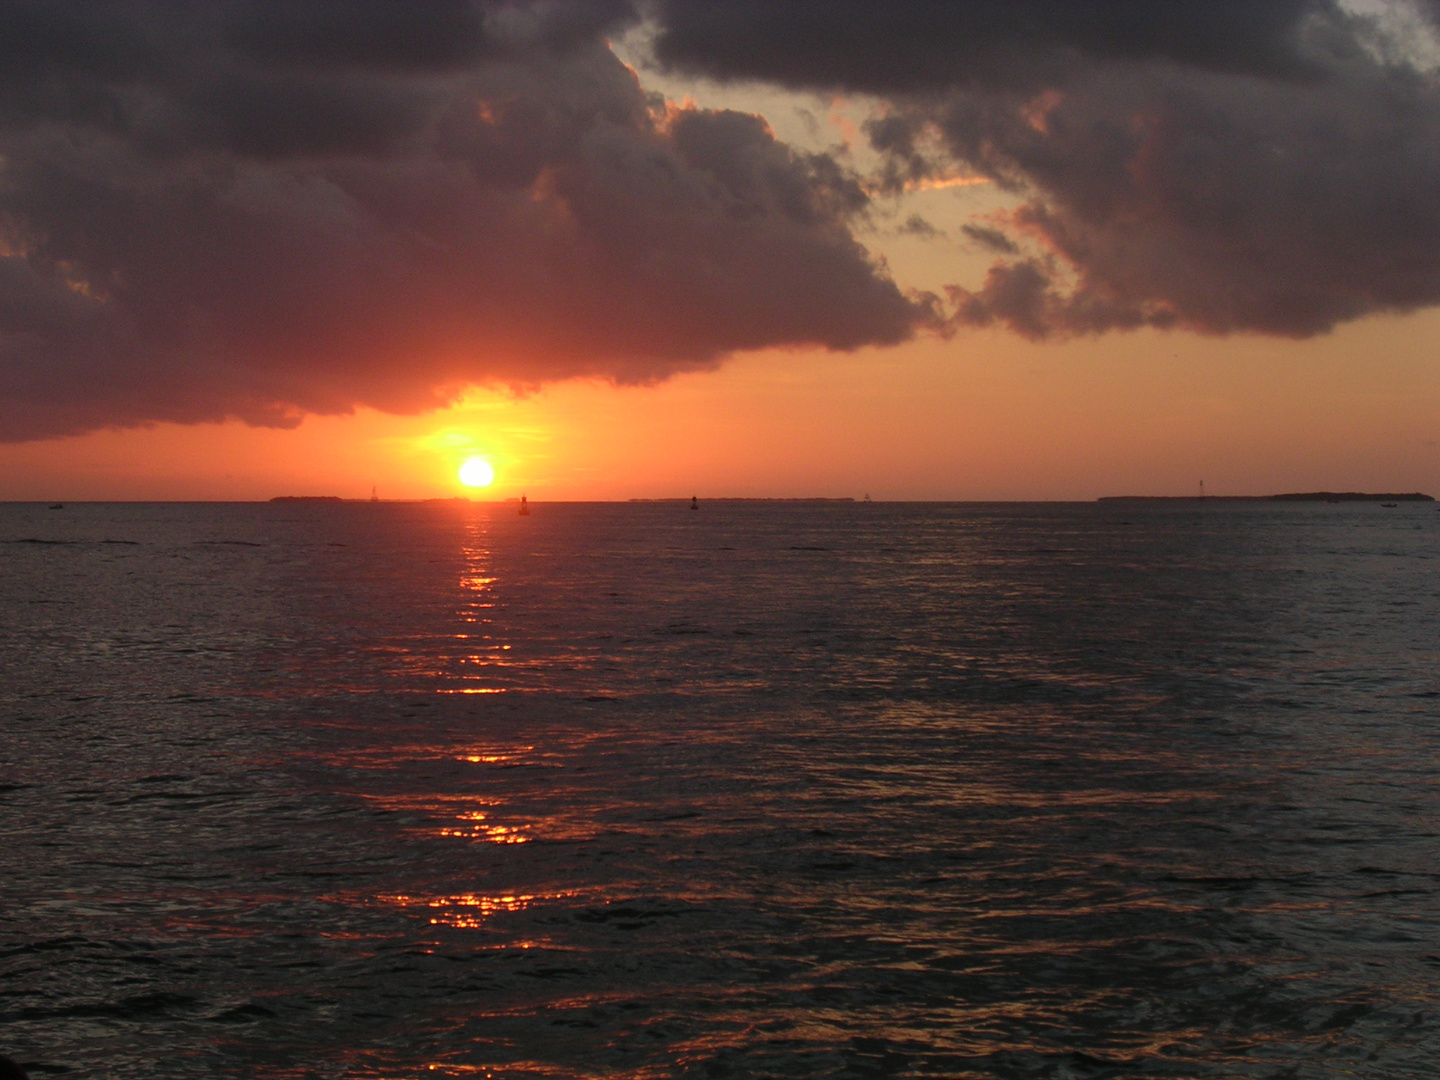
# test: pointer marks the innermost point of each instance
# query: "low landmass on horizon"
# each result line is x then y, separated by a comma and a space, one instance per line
1294, 496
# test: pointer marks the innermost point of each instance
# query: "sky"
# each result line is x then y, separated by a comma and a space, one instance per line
999, 249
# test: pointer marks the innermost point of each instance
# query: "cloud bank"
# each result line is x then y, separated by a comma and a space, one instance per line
266, 209
1235, 165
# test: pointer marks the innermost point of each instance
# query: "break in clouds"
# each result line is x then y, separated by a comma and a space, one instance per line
265, 209
1270, 166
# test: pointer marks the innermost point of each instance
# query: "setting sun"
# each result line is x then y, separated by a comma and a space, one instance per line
476, 472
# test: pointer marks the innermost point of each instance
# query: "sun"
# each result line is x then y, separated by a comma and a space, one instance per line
476, 472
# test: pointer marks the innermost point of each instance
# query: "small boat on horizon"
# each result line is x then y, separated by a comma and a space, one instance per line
57, 506
524, 507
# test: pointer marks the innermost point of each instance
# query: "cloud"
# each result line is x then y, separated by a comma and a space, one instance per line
939, 45
915, 225
263, 210
1259, 166
990, 238
268, 208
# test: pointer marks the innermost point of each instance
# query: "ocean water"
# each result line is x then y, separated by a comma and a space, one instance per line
759, 790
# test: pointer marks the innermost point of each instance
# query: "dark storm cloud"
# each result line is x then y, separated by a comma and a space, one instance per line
267, 209
1172, 199
1228, 165
922, 45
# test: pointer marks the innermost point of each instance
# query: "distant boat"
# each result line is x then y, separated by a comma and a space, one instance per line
694, 502
57, 506
374, 495
1390, 505
524, 507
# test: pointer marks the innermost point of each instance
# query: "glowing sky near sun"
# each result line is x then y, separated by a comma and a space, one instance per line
999, 419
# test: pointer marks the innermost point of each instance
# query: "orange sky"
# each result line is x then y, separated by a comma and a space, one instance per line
983, 415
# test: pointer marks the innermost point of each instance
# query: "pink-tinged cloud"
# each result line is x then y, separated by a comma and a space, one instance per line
263, 210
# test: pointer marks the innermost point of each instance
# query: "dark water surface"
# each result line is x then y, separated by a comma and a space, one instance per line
787, 790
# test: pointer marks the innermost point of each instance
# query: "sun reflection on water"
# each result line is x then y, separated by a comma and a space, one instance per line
476, 824
477, 829
470, 911
478, 602
493, 758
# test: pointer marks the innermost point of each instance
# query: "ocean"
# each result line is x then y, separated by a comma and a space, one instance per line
764, 789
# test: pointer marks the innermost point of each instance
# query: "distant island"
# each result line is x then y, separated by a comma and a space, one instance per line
337, 498
1352, 496
1294, 496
